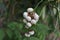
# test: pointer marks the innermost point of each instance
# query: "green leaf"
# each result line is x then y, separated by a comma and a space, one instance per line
1, 34
38, 10
41, 30
9, 33
20, 26
15, 25
18, 35
42, 27
59, 15
54, 10
31, 38
12, 25
43, 11
42, 36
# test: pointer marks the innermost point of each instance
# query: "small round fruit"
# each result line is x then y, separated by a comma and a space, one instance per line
24, 20
36, 16
30, 10
33, 21
28, 18
25, 14
27, 34
31, 32
29, 24
26, 27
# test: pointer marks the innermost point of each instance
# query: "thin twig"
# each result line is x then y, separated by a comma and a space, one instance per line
38, 4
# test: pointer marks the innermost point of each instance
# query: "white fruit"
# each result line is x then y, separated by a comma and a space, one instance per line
29, 24
31, 32
36, 16
25, 14
28, 18
27, 34
26, 27
30, 10
33, 21
24, 20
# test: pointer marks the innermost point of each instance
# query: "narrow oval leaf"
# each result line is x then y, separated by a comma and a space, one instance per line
1, 34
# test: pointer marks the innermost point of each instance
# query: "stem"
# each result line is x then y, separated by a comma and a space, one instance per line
38, 4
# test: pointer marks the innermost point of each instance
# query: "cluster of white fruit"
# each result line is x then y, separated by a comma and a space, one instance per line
30, 18
29, 33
